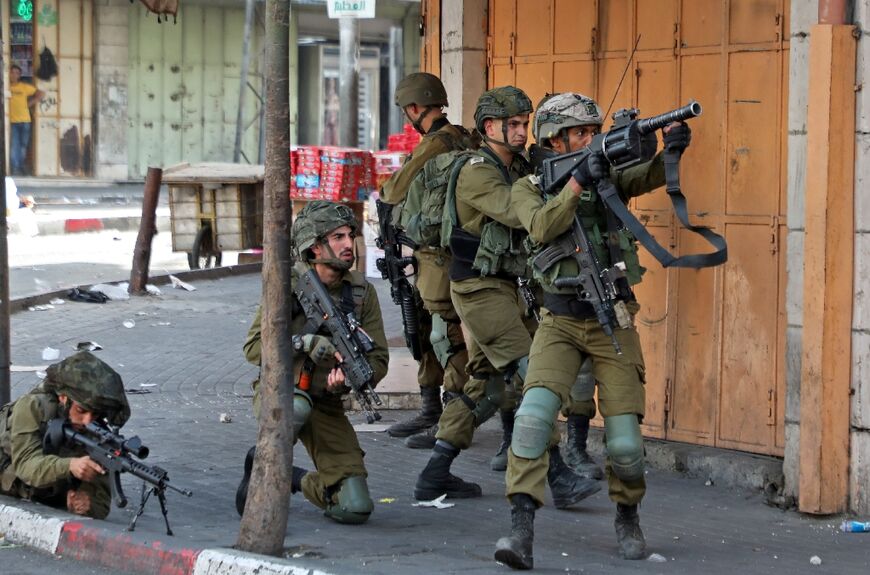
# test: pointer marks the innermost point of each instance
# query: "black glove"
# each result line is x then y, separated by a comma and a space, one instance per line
677, 139
590, 170
649, 144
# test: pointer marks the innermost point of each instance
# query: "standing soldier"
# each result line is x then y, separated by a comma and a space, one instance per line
323, 236
422, 98
81, 389
487, 260
570, 332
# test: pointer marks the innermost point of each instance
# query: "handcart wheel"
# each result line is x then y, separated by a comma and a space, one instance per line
204, 254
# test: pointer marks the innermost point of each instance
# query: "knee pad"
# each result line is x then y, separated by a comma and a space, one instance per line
353, 504
301, 411
488, 405
440, 340
624, 446
533, 424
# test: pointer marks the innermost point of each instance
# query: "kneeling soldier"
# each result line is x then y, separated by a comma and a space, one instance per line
323, 235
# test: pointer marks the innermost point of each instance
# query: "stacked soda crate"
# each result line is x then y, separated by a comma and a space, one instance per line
405, 141
331, 173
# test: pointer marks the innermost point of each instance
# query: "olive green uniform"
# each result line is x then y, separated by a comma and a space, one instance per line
328, 436
29, 474
563, 342
490, 307
432, 282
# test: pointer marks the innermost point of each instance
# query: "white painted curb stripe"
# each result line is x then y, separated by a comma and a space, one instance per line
26, 528
230, 562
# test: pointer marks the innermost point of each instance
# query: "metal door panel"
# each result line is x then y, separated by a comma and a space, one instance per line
753, 176
609, 73
749, 339
701, 166
536, 80
652, 320
753, 21
503, 28
502, 76
574, 22
656, 93
535, 15
613, 16
701, 23
694, 395
656, 20
574, 76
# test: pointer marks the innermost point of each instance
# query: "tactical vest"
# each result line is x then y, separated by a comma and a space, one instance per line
594, 219
500, 251
49, 405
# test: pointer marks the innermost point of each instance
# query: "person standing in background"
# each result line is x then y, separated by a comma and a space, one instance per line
23, 97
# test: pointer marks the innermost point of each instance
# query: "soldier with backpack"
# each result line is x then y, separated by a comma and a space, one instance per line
422, 98
485, 239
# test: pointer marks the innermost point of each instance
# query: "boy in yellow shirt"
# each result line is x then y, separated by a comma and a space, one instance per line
24, 96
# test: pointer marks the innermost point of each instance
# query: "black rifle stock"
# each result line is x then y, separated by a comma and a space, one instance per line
350, 340
621, 145
593, 284
392, 267
114, 453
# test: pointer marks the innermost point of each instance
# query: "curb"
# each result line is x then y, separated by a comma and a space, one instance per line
64, 535
22, 303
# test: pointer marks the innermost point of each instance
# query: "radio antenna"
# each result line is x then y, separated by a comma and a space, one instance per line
618, 86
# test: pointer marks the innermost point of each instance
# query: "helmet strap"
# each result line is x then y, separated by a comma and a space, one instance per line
418, 123
332, 260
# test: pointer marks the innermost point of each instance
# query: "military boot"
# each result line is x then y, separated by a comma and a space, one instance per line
632, 545
566, 486
430, 411
515, 551
242, 491
436, 479
576, 455
499, 461
425, 440
296, 479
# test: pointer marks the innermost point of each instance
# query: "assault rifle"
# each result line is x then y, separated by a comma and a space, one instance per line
392, 267
115, 454
532, 306
350, 340
594, 284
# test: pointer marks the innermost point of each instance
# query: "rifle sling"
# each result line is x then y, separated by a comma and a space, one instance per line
611, 198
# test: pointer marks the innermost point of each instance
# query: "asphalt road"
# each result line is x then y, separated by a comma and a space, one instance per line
17, 560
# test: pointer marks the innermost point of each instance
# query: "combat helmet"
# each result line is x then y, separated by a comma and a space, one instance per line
559, 111
313, 223
91, 383
502, 102
423, 89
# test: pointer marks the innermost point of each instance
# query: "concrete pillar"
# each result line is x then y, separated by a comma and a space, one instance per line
111, 65
348, 81
828, 277
803, 16
859, 482
294, 76
463, 56
397, 69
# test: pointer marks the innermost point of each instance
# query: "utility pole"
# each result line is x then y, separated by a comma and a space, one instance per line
348, 81
264, 523
5, 331
243, 80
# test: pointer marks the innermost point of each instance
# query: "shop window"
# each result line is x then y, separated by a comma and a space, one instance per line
21, 36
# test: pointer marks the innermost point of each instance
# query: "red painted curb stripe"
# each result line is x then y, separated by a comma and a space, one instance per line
72, 226
122, 552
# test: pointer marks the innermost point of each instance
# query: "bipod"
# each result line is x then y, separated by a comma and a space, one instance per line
161, 497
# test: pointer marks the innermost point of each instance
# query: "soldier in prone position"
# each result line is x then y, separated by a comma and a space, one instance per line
81, 389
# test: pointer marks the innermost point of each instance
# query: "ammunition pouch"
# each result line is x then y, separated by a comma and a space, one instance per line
500, 251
